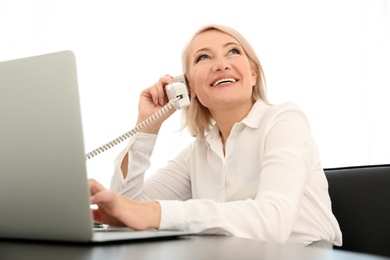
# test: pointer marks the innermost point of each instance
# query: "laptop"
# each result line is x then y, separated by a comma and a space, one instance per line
44, 193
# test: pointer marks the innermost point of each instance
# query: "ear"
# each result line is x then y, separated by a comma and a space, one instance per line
190, 90
254, 76
192, 93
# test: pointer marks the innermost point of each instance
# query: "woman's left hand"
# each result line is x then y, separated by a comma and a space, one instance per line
117, 210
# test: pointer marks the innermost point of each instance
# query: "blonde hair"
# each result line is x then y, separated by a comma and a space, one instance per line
197, 118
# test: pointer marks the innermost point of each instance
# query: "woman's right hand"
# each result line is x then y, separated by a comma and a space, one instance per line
116, 210
151, 101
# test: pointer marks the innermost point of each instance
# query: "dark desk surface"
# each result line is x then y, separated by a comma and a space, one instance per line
191, 247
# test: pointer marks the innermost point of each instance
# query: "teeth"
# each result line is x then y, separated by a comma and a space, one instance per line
223, 81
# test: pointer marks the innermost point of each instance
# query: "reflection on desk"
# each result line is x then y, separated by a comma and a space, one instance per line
189, 247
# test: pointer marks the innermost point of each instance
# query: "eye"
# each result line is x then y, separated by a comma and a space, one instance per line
234, 51
202, 57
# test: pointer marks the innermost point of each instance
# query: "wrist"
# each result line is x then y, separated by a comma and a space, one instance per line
151, 128
155, 215
154, 122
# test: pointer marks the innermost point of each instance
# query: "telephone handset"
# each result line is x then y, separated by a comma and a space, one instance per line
178, 98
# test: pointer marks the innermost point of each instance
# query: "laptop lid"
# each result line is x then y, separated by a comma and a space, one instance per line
42, 165
44, 192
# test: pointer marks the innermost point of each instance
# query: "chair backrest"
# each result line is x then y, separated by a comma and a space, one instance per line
361, 203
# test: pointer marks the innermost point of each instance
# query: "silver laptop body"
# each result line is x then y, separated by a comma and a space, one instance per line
44, 190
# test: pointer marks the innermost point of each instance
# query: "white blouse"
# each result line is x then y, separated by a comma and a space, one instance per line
269, 185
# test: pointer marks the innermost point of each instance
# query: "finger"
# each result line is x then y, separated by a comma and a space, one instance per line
105, 218
150, 94
103, 198
164, 80
157, 93
96, 215
95, 186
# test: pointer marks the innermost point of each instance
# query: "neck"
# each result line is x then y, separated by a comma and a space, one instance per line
225, 118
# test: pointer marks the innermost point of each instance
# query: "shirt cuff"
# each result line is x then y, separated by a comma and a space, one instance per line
172, 215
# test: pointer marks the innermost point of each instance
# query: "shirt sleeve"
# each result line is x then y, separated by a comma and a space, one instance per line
261, 218
171, 182
139, 150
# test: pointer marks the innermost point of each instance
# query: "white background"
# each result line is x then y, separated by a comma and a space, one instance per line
332, 57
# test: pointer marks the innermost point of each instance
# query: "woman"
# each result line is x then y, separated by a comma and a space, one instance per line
253, 170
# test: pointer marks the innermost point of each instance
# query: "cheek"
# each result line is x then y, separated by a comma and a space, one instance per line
195, 80
196, 87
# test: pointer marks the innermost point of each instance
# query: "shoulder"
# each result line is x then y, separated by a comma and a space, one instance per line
282, 107
262, 113
285, 112
287, 108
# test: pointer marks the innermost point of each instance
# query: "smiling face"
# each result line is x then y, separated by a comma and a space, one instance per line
219, 72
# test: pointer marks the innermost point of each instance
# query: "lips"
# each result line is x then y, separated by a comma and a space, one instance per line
224, 80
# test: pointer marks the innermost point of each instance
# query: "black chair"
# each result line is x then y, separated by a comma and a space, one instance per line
361, 203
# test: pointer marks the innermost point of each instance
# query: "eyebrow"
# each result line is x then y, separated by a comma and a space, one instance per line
225, 45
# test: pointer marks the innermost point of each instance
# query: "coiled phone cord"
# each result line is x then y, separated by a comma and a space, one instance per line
133, 131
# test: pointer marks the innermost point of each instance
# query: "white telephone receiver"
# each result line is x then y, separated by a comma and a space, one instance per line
178, 97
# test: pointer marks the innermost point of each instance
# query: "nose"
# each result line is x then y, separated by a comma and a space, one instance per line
221, 64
